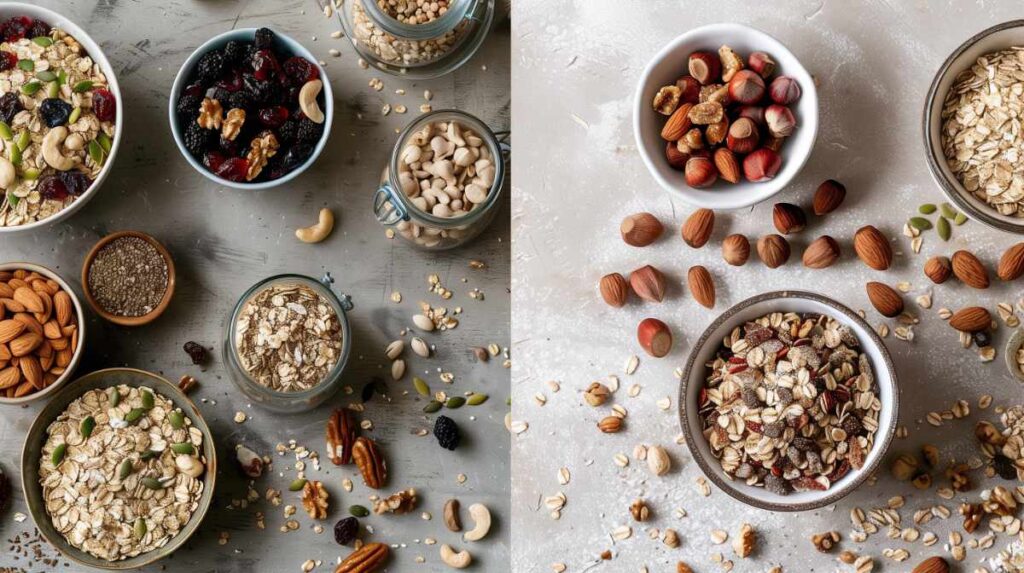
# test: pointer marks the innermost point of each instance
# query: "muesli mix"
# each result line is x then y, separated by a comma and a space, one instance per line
121, 471
405, 51
57, 119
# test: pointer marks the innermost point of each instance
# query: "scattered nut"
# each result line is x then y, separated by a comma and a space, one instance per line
319, 231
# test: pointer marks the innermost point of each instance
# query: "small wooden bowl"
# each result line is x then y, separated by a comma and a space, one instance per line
129, 320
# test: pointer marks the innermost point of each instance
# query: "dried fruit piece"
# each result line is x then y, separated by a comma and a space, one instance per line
346, 531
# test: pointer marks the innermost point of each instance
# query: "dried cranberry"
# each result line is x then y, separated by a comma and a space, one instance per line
300, 70
264, 38
231, 82
10, 105
75, 182
16, 28
230, 147
51, 187
212, 160
196, 352
104, 105
264, 65
7, 60
39, 28
195, 89
273, 116
233, 169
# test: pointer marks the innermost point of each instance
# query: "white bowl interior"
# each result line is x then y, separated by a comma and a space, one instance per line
9, 9
670, 64
998, 40
887, 393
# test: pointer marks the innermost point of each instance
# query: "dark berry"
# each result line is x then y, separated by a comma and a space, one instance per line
264, 65
54, 111
230, 147
7, 60
234, 51
197, 139
16, 28
195, 89
220, 94
1004, 467
346, 531
104, 105
288, 131
5, 491
233, 169
10, 105
982, 339
39, 28
231, 82
804, 444
210, 67
51, 187
273, 116
259, 91
300, 70
212, 160
447, 432
188, 107
264, 39
240, 100
296, 156
309, 131
852, 425
75, 182
195, 351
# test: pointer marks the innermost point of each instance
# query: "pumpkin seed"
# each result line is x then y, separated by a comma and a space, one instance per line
31, 88
477, 399
84, 85
152, 483
13, 199
926, 209
455, 402
115, 397
31, 174
75, 114
125, 470
421, 386
148, 455
942, 228
177, 419
52, 90
62, 77
432, 406
140, 527
58, 454
183, 448
87, 426
948, 211
358, 511
27, 65
920, 223
24, 139
105, 142
5, 131
15, 154
960, 219
147, 399
134, 415
95, 152
297, 485
43, 41
47, 76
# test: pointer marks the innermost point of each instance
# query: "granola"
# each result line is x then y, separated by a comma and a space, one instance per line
790, 403
121, 472
402, 51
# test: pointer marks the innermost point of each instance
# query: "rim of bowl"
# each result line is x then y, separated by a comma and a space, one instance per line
808, 89
96, 53
129, 320
209, 475
855, 477
951, 187
1014, 343
79, 313
189, 64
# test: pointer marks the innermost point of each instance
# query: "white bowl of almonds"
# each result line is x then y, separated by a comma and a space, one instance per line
790, 401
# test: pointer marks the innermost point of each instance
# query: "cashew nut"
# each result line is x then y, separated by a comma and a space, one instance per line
51, 149
459, 560
307, 100
318, 232
75, 142
7, 173
481, 522
189, 465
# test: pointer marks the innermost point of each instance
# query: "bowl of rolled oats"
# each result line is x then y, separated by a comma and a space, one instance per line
973, 138
118, 469
60, 117
790, 401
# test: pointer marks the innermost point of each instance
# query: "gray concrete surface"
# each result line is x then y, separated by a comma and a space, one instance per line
223, 241
574, 74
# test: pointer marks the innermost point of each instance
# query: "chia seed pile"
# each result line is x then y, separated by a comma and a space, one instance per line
128, 277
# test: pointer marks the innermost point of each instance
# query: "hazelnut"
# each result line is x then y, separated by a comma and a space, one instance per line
654, 337
736, 250
667, 100
761, 63
753, 112
596, 394
828, 197
780, 120
821, 253
640, 229
614, 289
938, 269
761, 165
676, 158
704, 67
746, 87
689, 89
773, 250
700, 172
789, 218
648, 283
784, 90
743, 136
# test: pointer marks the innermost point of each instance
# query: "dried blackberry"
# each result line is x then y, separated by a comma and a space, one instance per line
220, 94
288, 132
346, 531
260, 91
1004, 467
804, 444
39, 28
852, 425
234, 52
296, 156
982, 339
309, 131
264, 39
777, 485
54, 111
447, 432
240, 100
188, 107
197, 139
196, 352
10, 105
210, 67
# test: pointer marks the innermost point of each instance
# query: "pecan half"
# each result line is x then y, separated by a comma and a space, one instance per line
401, 502
341, 434
370, 462
314, 499
366, 559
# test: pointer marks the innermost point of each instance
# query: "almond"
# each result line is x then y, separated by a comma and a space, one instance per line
872, 248
728, 166
648, 283
640, 229
701, 286
678, 123
736, 250
9, 377
828, 197
971, 319
654, 336
698, 226
1011, 264
51, 330
63, 308
969, 270
614, 289
773, 250
938, 269
30, 322
788, 218
31, 370
932, 565
821, 253
10, 329
25, 344
885, 299
29, 299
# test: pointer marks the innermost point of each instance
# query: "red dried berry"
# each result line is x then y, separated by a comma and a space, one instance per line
233, 169
273, 116
232, 82
212, 160
104, 105
7, 60
16, 28
51, 187
264, 65
300, 70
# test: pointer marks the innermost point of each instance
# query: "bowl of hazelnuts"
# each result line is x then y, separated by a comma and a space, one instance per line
725, 116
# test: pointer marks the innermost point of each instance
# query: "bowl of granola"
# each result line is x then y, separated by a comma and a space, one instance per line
790, 401
118, 469
60, 108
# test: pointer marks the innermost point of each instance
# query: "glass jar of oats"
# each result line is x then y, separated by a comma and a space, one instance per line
442, 185
417, 38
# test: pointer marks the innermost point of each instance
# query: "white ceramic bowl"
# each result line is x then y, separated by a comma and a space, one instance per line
69, 372
704, 351
670, 64
11, 9
219, 41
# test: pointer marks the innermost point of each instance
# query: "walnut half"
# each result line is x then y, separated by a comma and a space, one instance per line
400, 502
210, 114
263, 147
314, 499
233, 124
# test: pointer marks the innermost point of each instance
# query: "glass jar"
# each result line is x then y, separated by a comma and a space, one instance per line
395, 201
417, 51
289, 402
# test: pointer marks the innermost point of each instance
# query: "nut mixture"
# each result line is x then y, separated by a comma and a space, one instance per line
403, 51
288, 337
57, 117
790, 403
414, 11
121, 472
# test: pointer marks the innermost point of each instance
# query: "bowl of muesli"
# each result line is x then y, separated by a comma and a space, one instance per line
118, 469
60, 117
790, 401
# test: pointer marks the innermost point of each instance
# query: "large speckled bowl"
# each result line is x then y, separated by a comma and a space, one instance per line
704, 350
103, 379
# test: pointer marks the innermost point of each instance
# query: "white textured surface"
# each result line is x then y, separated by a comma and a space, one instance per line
574, 73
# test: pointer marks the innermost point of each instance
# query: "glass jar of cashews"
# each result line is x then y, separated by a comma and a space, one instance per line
442, 184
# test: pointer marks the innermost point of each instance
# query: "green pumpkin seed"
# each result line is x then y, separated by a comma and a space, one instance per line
140, 528
13, 199
58, 454
24, 139
297, 485
960, 219
134, 415
152, 483
477, 399
920, 223
358, 511
147, 399
87, 426
115, 397
148, 455
455, 402
15, 154
52, 90
5, 132
105, 142
31, 88
948, 211
75, 114
421, 386
62, 77
96, 154
125, 470
27, 65
183, 448
943, 229
31, 174
926, 209
177, 419
82, 86
432, 406
43, 41
47, 76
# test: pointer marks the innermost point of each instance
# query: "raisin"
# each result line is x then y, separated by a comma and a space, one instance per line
52, 188
233, 169
104, 105
346, 531
54, 111
1004, 467
75, 182
264, 38
210, 67
195, 351
7, 60
982, 339
10, 105
300, 70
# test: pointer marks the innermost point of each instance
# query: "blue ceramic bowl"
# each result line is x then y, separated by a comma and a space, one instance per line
217, 42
